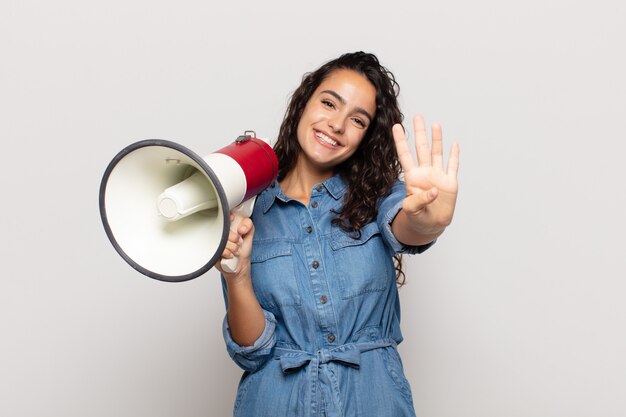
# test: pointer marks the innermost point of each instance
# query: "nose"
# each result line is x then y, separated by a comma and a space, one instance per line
337, 123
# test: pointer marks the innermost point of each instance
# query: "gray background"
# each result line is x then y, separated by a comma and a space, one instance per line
517, 311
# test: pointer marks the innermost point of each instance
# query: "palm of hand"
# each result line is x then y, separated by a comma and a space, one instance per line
431, 191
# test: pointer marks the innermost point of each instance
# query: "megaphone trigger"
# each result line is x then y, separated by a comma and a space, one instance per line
242, 211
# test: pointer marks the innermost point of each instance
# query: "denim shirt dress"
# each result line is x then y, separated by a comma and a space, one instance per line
332, 314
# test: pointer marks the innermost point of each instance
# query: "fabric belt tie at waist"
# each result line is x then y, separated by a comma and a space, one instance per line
348, 354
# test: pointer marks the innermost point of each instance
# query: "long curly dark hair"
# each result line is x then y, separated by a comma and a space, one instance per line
375, 160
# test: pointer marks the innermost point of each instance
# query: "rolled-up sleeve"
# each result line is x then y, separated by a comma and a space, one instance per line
387, 211
251, 358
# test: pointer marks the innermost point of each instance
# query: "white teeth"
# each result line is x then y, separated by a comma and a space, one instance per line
326, 138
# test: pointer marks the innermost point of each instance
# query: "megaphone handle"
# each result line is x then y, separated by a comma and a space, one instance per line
241, 212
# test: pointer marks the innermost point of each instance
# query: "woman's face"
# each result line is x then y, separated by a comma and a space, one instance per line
335, 119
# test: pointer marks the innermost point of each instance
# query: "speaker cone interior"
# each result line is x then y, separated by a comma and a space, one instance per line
155, 246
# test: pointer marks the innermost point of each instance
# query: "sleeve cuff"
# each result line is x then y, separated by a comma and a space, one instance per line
252, 357
393, 243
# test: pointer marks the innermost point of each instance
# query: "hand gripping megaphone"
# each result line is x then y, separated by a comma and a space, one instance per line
166, 210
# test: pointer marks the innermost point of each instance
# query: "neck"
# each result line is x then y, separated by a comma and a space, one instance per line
299, 182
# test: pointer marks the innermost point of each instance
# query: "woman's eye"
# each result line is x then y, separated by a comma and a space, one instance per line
328, 104
359, 122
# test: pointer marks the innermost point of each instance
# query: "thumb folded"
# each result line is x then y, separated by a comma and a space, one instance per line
417, 202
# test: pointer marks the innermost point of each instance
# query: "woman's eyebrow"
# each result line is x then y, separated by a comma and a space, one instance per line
343, 101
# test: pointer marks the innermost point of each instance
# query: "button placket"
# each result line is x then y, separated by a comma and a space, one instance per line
319, 285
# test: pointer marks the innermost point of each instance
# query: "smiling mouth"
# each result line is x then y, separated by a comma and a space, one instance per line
326, 139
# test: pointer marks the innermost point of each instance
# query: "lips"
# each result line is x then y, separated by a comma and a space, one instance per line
325, 139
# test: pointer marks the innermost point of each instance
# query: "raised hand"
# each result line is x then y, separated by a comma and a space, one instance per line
431, 191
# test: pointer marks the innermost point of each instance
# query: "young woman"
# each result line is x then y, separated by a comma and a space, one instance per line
312, 309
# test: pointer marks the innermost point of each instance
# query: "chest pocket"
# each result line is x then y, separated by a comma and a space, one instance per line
273, 276
363, 265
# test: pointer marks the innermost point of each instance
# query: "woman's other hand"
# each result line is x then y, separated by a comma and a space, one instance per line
239, 245
431, 191
246, 320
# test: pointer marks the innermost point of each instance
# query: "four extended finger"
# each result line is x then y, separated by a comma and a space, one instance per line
437, 147
421, 141
453, 161
402, 148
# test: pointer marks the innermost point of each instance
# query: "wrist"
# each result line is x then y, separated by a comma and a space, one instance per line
238, 281
411, 230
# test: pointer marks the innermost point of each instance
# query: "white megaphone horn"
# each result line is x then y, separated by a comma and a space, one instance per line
166, 210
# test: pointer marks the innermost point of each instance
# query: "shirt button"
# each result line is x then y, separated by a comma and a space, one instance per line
323, 299
318, 188
331, 338
315, 264
309, 229
314, 204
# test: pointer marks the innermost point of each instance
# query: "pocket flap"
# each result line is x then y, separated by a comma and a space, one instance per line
262, 251
341, 239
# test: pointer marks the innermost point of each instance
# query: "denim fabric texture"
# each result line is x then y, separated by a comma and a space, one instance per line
331, 308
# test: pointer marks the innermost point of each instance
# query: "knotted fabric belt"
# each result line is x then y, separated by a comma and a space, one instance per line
348, 354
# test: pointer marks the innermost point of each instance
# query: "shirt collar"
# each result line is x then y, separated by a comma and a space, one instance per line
335, 186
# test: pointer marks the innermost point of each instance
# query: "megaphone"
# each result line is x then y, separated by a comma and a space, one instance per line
166, 210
